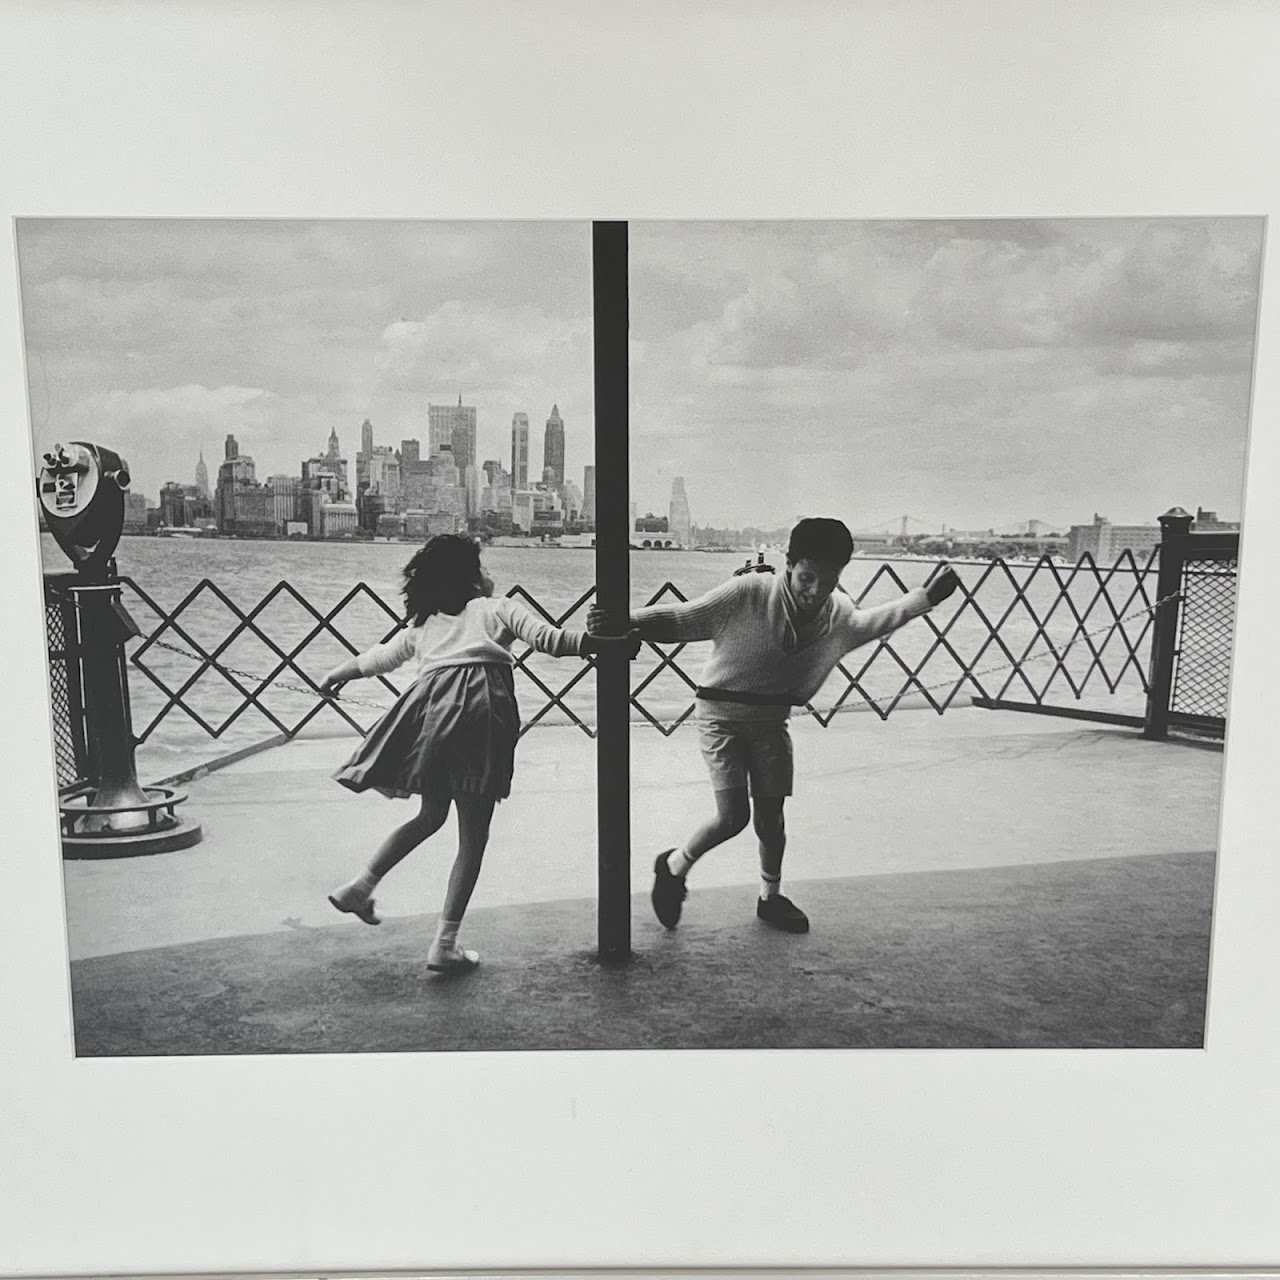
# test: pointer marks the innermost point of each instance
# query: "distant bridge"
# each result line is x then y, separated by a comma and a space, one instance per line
906, 526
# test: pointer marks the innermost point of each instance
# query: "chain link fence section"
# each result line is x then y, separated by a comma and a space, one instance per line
66, 706
1202, 667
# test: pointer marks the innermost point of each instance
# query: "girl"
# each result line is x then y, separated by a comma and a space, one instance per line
451, 738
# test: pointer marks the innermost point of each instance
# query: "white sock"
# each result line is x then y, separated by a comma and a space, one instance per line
446, 935
770, 886
679, 862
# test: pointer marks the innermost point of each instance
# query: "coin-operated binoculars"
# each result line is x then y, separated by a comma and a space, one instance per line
81, 489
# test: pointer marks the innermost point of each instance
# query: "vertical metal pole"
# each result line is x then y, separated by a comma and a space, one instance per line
613, 586
1175, 529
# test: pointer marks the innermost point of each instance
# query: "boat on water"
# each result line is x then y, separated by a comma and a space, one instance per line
180, 531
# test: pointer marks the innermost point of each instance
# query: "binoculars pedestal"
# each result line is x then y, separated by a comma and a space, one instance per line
116, 817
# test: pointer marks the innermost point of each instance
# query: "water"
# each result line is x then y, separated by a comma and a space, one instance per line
168, 569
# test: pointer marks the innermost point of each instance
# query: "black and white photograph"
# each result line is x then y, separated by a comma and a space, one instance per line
485, 635
639, 639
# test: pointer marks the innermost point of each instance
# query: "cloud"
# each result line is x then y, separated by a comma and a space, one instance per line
161, 430
465, 345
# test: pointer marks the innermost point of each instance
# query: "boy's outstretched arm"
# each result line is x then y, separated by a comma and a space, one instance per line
870, 624
699, 619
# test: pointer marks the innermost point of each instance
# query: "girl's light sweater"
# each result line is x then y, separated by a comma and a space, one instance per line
483, 631
756, 645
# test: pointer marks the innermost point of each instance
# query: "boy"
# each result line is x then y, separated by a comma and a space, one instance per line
775, 641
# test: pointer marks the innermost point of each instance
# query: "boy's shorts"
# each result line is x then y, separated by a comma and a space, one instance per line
739, 752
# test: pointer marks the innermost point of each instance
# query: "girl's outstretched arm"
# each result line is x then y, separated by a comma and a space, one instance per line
379, 660
560, 643
344, 671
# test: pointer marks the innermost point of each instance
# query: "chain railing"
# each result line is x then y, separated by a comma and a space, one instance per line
1047, 634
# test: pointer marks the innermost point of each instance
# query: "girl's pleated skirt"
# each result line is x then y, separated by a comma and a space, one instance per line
453, 733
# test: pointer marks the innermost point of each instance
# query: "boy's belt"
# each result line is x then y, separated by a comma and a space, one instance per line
748, 699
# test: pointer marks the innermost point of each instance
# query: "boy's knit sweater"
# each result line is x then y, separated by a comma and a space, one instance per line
756, 645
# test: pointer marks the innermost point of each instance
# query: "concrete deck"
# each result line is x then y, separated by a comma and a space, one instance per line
986, 877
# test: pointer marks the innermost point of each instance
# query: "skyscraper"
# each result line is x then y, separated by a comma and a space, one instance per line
336, 462
444, 422
202, 477
678, 512
553, 448
241, 503
519, 451
410, 453
589, 494
463, 444
366, 438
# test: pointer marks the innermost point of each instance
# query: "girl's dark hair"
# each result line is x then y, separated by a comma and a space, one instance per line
442, 576
821, 539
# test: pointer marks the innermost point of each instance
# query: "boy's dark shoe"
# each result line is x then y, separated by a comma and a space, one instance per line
669, 892
783, 914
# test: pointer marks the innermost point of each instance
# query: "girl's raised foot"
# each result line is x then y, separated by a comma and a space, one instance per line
351, 901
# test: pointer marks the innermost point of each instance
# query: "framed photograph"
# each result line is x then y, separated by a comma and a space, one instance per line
641, 639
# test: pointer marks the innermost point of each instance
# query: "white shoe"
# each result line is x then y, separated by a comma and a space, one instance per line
454, 960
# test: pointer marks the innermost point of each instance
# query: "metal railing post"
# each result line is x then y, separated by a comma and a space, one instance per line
613, 586
1175, 529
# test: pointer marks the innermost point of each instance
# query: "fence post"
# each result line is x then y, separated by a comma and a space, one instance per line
1175, 529
613, 586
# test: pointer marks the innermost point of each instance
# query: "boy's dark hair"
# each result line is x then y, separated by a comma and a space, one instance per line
821, 539
442, 576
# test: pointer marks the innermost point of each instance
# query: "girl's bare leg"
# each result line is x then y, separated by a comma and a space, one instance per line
356, 896
409, 835
474, 816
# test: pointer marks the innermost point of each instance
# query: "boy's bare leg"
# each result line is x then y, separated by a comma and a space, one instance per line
733, 812
771, 831
773, 907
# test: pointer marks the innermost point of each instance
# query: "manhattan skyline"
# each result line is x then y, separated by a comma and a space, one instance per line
975, 373
167, 335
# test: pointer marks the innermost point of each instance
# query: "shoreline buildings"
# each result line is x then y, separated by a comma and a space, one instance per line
396, 492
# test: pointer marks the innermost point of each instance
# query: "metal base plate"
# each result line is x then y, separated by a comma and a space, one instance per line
91, 845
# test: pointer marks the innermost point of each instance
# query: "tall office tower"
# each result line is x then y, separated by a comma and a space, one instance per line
519, 451
553, 448
337, 463
202, 477
443, 421
492, 470
410, 453
463, 444
366, 437
589, 494
232, 448
678, 512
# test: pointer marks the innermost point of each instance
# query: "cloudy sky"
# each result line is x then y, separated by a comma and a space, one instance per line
971, 373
